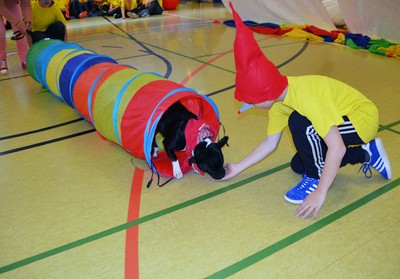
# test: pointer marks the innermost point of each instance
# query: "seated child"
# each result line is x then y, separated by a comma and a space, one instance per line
47, 21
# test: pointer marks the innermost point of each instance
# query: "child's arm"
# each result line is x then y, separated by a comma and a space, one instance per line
260, 152
123, 8
334, 156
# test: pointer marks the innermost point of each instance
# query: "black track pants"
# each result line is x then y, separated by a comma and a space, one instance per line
311, 148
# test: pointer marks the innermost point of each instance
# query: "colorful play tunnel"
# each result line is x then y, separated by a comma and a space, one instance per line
122, 103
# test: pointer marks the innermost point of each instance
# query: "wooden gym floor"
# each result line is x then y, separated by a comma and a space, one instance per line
76, 206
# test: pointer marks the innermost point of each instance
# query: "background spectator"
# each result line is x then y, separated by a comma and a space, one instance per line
19, 15
47, 21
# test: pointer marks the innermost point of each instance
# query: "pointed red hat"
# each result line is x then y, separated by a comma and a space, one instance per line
257, 78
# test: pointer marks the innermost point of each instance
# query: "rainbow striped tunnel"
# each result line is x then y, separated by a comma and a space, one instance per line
122, 103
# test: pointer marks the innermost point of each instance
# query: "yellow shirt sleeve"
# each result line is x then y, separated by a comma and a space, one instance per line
115, 3
278, 116
62, 3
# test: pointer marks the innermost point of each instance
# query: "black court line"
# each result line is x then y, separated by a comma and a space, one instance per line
172, 28
72, 245
138, 221
299, 235
294, 56
132, 57
16, 77
112, 46
40, 130
148, 50
305, 45
221, 90
46, 142
279, 245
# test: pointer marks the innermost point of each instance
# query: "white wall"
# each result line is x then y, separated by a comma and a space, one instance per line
375, 18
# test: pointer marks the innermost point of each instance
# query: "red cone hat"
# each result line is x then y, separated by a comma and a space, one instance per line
257, 78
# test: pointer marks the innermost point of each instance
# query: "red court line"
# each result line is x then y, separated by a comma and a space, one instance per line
132, 233
190, 75
205, 64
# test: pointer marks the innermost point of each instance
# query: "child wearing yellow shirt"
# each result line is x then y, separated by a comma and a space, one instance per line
146, 8
64, 7
125, 7
78, 8
113, 7
47, 21
332, 124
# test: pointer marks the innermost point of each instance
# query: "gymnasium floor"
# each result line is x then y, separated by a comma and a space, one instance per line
76, 206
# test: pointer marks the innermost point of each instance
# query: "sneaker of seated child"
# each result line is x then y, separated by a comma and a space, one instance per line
131, 15
3, 66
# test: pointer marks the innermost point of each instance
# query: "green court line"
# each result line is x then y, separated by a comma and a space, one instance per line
138, 221
389, 126
278, 246
174, 208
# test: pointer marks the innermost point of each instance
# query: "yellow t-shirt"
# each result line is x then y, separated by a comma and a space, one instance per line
129, 5
324, 101
114, 3
43, 17
62, 4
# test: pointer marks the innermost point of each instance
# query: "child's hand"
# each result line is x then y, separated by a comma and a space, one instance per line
230, 171
312, 203
21, 26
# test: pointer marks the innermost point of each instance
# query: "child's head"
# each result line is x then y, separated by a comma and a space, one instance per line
45, 3
257, 79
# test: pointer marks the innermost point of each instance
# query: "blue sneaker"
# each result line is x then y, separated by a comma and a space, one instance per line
301, 191
144, 13
378, 159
